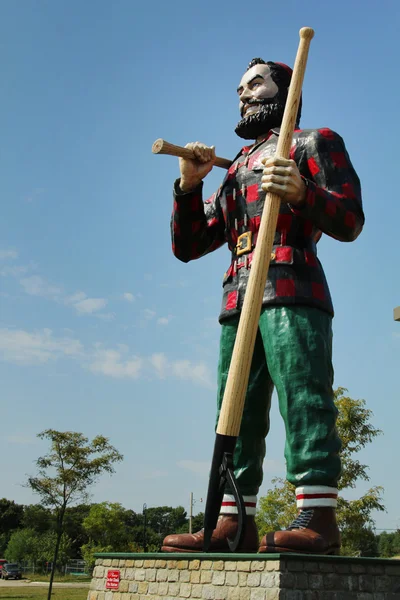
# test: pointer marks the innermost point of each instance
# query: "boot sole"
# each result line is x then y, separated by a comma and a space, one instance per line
334, 551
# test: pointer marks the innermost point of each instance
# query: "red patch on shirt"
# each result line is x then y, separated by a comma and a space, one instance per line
230, 203
348, 190
312, 165
284, 222
330, 208
252, 193
283, 254
349, 219
285, 287
318, 291
327, 133
231, 171
339, 159
231, 301
254, 223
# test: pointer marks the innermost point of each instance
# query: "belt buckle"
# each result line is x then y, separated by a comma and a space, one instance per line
244, 243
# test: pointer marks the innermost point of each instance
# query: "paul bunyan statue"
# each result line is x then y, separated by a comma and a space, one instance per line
320, 193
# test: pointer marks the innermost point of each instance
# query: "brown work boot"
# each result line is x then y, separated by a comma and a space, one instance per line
314, 531
226, 528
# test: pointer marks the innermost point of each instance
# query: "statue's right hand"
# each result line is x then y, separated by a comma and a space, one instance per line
194, 171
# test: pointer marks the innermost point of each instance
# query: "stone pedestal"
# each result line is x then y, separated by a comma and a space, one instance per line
243, 577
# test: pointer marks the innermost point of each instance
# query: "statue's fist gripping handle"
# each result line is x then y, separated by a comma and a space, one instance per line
161, 146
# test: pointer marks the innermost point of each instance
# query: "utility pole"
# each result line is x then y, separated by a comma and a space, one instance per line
144, 527
191, 504
190, 512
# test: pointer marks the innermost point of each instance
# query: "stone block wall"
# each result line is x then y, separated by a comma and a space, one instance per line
249, 577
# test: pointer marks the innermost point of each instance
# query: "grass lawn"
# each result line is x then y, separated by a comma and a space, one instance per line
31, 593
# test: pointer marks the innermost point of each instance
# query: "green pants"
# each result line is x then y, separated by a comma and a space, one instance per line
293, 352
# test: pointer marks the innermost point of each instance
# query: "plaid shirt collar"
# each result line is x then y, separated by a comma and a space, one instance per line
250, 149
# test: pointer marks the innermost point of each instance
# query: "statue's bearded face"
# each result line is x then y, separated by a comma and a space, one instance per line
261, 103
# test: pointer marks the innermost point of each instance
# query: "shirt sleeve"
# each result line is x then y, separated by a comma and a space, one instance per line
333, 199
197, 227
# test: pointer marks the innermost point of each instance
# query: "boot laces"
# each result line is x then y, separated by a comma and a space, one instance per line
302, 520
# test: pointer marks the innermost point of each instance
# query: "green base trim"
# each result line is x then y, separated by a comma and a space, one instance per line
236, 557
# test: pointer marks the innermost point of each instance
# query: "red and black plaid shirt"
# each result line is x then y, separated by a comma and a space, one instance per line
333, 206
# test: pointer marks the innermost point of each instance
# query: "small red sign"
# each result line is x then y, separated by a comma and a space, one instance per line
112, 582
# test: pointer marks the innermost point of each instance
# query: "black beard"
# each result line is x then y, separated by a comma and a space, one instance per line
269, 116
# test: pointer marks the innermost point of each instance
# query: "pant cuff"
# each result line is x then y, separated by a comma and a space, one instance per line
310, 496
229, 507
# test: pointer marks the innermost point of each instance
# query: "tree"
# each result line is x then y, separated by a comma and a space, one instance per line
38, 518
106, 526
23, 546
71, 466
10, 520
73, 526
389, 544
278, 508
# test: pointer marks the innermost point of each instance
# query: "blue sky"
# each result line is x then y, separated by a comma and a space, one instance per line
102, 330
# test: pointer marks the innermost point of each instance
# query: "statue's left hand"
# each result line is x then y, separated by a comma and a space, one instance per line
281, 176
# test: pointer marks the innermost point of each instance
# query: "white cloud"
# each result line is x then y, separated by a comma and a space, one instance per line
4, 254
185, 369
40, 347
195, 466
13, 271
37, 286
164, 320
90, 305
77, 297
160, 363
105, 316
87, 306
129, 297
110, 362
197, 373
22, 347
148, 314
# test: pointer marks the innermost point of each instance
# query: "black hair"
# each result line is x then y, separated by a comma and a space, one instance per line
281, 76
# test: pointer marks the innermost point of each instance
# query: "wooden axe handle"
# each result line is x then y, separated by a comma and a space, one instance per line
160, 146
236, 386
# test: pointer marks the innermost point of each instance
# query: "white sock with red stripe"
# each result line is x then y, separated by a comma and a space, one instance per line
311, 496
228, 506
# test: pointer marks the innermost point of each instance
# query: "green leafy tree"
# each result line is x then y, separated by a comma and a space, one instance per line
389, 544
45, 547
73, 527
23, 546
66, 473
38, 517
165, 519
105, 526
10, 520
278, 508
